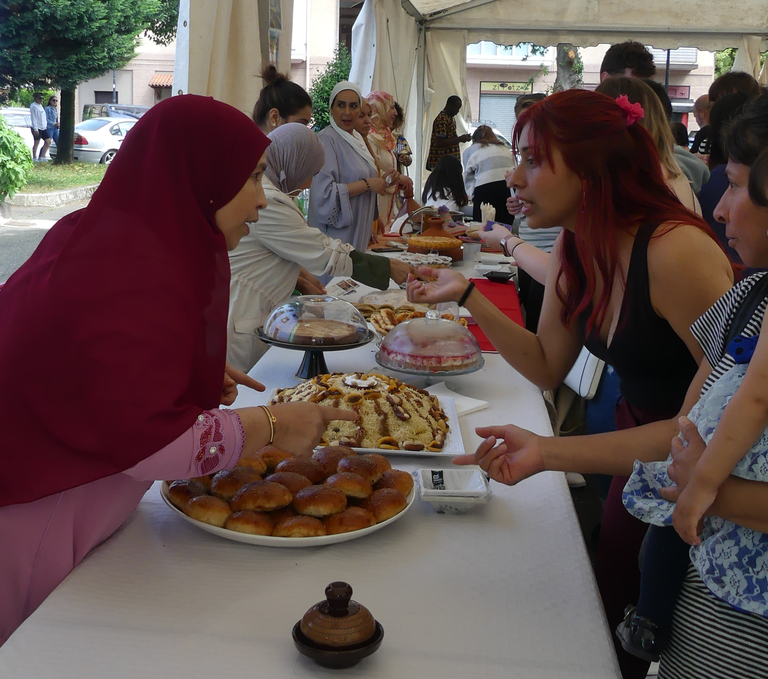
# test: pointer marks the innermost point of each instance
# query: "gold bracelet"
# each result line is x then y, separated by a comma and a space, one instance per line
272, 419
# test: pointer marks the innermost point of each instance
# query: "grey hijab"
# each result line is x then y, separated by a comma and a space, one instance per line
295, 155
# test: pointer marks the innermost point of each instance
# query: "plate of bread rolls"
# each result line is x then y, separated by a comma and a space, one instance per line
274, 499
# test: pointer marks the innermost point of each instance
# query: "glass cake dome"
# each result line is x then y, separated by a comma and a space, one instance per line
316, 321
431, 345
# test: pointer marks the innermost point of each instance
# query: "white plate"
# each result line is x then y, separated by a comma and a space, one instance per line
271, 541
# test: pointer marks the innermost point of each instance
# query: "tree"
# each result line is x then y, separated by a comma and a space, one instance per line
162, 26
336, 70
60, 43
724, 60
569, 68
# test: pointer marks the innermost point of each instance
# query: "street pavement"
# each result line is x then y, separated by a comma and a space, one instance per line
21, 234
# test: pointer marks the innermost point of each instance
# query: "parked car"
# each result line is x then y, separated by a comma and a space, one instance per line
113, 111
98, 140
21, 121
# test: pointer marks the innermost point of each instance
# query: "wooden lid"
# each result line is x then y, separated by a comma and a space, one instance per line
338, 621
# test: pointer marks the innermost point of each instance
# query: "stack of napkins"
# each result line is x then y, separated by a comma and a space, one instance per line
464, 404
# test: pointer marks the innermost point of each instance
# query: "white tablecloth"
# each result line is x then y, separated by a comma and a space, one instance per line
503, 591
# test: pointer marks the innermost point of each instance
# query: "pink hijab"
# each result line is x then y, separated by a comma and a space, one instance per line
113, 333
381, 104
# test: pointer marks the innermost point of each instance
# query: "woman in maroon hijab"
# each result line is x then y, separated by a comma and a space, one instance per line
112, 347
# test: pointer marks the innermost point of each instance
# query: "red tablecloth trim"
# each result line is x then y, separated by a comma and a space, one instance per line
504, 297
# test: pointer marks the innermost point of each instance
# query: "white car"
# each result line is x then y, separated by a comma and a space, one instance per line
97, 140
21, 121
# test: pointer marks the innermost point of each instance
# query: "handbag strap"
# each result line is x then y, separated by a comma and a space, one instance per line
757, 293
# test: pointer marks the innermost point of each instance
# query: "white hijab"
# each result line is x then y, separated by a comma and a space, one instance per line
355, 139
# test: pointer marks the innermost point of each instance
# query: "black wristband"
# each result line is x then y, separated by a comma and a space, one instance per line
467, 293
512, 253
367, 185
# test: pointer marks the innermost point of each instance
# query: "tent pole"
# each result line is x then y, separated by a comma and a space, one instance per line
421, 67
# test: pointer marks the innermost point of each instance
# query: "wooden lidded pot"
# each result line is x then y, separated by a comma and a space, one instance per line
338, 622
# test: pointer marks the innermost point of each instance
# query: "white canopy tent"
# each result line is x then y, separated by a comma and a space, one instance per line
420, 46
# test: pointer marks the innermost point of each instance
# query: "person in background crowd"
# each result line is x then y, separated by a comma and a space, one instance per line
383, 144
39, 127
628, 58
403, 151
342, 200
630, 272
734, 81
656, 122
280, 101
701, 108
694, 168
445, 185
364, 127
485, 172
444, 140
140, 276
266, 262
680, 135
52, 116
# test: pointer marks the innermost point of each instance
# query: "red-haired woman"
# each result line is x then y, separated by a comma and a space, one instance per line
631, 271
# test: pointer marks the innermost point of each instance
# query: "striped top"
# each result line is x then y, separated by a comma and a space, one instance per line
489, 163
544, 239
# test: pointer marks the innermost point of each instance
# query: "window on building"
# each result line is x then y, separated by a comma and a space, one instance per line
106, 97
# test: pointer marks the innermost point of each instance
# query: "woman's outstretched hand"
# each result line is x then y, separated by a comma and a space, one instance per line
440, 285
508, 454
300, 425
233, 377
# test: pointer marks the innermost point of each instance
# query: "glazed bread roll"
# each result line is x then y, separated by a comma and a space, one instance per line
273, 456
204, 481
352, 485
299, 527
306, 467
254, 523
280, 515
329, 457
352, 518
291, 480
385, 503
208, 509
319, 501
262, 496
397, 479
379, 460
226, 483
360, 466
255, 462
181, 492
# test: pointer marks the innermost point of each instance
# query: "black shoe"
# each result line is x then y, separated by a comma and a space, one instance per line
639, 636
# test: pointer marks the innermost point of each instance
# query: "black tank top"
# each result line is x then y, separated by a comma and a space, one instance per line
653, 364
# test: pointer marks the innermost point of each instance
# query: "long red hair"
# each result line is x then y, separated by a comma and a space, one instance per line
622, 186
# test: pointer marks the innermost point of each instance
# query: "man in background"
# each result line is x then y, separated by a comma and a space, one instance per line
39, 127
444, 141
629, 58
701, 108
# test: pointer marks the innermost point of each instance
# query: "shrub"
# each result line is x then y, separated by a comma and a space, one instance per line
336, 70
15, 161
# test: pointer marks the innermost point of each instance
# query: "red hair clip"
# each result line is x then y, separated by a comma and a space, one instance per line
634, 111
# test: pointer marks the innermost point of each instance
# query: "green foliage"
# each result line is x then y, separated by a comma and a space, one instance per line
15, 161
336, 70
22, 98
63, 43
47, 177
162, 26
724, 60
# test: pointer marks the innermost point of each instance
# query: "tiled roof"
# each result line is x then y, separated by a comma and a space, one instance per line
161, 80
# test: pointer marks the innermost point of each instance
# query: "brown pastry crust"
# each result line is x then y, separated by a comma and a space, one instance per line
299, 527
306, 467
280, 515
360, 466
263, 496
352, 518
352, 485
204, 481
291, 480
385, 503
319, 501
226, 483
253, 523
328, 457
255, 462
379, 460
273, 456
397, 479
181, 492
208, 509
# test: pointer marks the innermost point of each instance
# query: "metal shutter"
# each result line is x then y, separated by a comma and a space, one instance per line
498, 110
